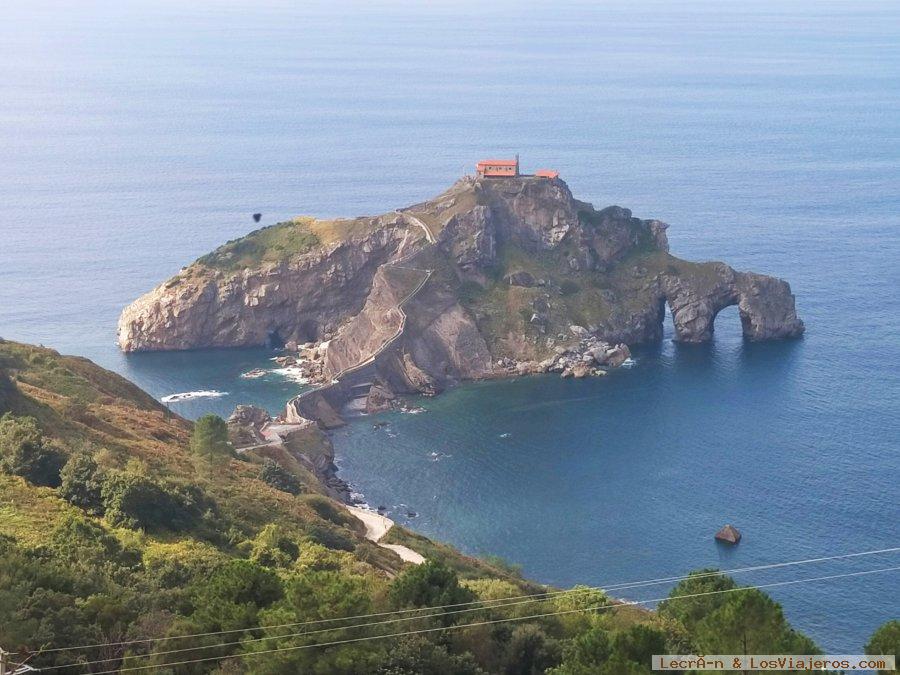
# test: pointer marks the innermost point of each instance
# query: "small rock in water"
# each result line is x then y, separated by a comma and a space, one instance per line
412, 514
381, 508
728, 534
257, 217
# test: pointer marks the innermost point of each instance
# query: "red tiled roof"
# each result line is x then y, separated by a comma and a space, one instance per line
497, 162
547, 173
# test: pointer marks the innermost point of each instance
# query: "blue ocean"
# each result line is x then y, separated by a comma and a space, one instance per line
137, 136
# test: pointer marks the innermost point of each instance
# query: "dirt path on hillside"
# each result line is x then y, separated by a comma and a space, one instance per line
377, 526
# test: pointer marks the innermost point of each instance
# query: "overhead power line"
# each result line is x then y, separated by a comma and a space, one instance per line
493, 621
506, 603
533, 596
602, 587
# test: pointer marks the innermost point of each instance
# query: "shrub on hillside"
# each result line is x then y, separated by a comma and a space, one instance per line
469, 291
602, 651
231, 597
82, 543
431, 584
272, 548
569, 287
530, 651
330, 536
415, 654
82, 482
328, 510
24, 451
639, 643
209, 438
278, 477
135, 501
885, 640
7, 391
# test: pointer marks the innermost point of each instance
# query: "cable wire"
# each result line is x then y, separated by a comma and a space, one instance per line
320, 630
545, 595
495, 621
505, 603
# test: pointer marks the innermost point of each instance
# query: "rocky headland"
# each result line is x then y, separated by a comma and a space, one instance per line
494, 277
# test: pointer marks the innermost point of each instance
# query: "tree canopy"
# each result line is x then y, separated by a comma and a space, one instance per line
209, 439
24, 451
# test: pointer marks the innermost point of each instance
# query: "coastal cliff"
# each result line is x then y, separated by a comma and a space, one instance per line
492, 274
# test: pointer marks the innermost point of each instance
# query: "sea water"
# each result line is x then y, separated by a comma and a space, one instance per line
136, 137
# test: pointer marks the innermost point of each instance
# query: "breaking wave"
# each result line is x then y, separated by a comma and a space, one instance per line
188, 395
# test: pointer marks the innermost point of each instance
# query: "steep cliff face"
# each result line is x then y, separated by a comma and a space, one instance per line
302, 298
490, 270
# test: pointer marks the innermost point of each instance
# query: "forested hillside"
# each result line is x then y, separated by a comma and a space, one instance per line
124, 527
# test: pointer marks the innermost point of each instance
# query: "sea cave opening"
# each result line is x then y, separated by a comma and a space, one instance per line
274, 340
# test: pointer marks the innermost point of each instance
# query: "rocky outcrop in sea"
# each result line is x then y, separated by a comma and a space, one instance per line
492, 271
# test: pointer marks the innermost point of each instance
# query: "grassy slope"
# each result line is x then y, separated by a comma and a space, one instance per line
457, 202
590, 298
77, 402
136, 431
268, 244
283, 241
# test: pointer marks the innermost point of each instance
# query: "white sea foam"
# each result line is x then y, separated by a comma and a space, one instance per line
359, 501
292, 373
188, 395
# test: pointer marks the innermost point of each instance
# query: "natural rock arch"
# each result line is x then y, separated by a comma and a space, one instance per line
765, 304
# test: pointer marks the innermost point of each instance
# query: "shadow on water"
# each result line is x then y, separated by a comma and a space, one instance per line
728, 350
217, 371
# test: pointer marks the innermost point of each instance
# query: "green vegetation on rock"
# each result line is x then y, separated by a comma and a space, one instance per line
209, 438
268, 244
24, 451
885, 641
280, 478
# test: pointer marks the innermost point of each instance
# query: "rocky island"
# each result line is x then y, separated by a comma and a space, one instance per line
495, 276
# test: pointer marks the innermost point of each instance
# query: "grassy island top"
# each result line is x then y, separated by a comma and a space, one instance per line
283, 241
